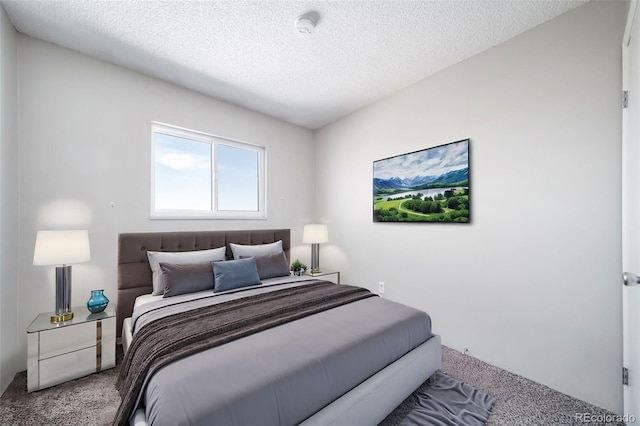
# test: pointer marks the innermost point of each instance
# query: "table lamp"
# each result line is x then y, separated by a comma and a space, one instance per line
62, 248
315, 234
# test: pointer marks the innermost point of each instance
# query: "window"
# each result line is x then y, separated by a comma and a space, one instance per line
196, 175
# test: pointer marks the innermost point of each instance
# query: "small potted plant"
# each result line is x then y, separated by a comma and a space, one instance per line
298, 267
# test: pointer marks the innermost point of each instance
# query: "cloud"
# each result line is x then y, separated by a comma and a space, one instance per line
429, 162
181, 160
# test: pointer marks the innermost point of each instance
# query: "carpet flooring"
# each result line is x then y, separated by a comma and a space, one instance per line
93, 400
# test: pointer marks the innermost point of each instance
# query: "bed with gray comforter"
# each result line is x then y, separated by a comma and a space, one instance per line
325, 360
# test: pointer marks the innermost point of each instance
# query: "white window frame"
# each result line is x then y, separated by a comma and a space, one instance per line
214, 140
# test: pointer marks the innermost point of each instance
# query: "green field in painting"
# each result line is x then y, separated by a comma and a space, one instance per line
454, 207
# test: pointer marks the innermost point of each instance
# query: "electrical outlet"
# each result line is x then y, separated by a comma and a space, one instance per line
380, 287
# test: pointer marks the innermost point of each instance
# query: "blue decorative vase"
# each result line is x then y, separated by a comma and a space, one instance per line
97, 302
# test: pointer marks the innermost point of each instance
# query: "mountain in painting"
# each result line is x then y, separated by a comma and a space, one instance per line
420, 182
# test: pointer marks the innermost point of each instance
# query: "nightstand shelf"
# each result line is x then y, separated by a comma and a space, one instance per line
59, 352
325, 273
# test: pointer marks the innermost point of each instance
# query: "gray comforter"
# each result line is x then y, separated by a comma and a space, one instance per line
282, 375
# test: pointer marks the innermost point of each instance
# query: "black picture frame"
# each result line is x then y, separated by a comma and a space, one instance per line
426, 186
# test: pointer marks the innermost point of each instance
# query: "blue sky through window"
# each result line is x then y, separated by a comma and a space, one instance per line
236, 178
182, 173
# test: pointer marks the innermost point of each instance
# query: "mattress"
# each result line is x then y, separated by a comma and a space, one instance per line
282, 375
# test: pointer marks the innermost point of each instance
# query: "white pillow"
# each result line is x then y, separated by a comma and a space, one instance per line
179, 258
256, 250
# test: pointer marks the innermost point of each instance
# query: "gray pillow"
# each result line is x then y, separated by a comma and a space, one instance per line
180, 258
240, 250
272, 265
189, 278
234, 274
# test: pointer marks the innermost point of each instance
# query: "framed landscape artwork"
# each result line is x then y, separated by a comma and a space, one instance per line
431, 185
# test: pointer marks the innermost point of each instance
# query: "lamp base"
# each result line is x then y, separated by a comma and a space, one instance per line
62, 317
63, 295
315, 257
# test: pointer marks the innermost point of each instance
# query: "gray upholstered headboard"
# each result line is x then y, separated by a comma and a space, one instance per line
134, 272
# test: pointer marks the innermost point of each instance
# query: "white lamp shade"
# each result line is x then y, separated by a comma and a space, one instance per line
61, 247
315, 234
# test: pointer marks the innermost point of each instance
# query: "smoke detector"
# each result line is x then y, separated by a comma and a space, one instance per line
305, 24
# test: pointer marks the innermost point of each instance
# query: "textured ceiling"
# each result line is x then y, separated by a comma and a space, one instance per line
247, 52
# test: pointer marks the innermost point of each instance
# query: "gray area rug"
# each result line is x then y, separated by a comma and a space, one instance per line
446, 402
93, 400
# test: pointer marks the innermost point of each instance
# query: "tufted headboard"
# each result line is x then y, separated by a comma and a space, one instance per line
134, 272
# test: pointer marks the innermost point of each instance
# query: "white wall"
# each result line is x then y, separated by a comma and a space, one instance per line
85, 141
533, 283
9, 355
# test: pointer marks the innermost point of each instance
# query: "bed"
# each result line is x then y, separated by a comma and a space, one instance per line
343, 364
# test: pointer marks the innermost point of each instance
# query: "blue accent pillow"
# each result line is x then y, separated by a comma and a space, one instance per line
232, 274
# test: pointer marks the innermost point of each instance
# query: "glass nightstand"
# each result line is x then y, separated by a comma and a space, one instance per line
324, 272
58, 352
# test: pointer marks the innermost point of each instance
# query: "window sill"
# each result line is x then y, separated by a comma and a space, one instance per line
173, 216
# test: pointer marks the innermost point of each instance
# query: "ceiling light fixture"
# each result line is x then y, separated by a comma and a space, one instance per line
306, 23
